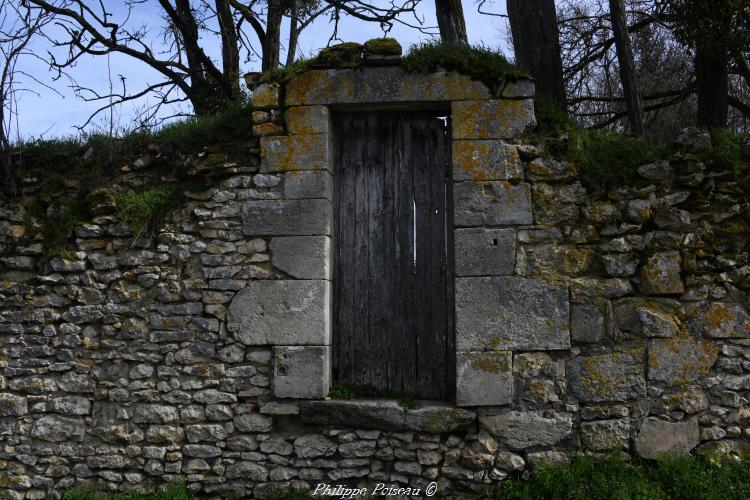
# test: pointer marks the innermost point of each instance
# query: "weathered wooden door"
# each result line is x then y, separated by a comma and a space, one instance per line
393, 257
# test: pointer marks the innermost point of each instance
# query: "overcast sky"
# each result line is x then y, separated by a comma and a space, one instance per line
52, 115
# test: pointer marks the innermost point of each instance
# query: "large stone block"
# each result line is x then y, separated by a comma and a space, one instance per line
677, 361
308, 184
436, 418
266, 96
308, 120
286, 217
524, 429
508, 313
387, 415
302, 257
615, 376
658, 438
484, 378
282, 312
492, 118
721, 320
292, 153
381, 85
491, 204
301, 371
492, 160
661, 274
485, 252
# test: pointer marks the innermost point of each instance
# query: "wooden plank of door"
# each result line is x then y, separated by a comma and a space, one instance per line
385, 164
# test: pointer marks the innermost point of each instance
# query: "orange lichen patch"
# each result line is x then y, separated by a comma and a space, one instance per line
596, 381
267, 128
473, 157
719, 316
266, 95
442, 86
678, 361
490, 119
498, 342
600, 376
13, 482
169, 322
493, 362
661, 274
296, 152
307, 120
305, 87
15, 231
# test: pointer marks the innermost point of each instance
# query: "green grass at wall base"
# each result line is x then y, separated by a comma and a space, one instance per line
585, 478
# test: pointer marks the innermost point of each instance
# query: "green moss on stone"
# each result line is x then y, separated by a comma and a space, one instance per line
480, 63
383, 47
342, 55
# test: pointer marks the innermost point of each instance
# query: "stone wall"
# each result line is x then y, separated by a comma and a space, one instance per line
586, 321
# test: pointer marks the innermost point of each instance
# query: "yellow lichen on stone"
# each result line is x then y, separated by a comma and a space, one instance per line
492, 362
15, 231
472, 157
491, 118
266, 96
383, 47
307, 120
267, 128
344, 54
380, 85
719, 316
294, 152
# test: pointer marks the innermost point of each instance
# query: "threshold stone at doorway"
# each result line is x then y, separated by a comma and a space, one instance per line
387, 415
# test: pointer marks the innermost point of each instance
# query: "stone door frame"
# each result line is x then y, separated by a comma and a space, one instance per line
490, 198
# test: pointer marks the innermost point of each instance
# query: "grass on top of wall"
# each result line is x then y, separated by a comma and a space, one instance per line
91, 157
283, 74
478, 62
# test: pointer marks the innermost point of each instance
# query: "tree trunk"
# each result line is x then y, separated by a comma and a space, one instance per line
7, 176
712, 79
627, 66
272, 42
450, 18
230, 51
536, 42
291, 51
203, 96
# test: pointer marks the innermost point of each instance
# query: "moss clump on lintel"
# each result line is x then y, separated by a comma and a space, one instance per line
479, 63
342, 55
383, 47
